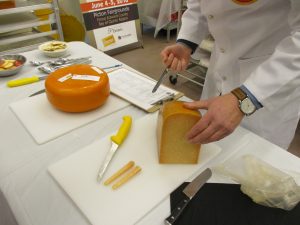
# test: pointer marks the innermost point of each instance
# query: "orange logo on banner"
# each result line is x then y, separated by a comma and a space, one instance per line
244, 2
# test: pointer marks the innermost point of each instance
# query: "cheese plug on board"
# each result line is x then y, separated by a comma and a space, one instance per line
127, 177
77, 88
119, 173
174, 121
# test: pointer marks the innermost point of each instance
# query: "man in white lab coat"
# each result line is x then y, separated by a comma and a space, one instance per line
254, 74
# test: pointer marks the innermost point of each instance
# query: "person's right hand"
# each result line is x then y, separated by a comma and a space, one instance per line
176, 57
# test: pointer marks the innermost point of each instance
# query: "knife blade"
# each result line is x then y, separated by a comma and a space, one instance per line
160, 80
117, 140
33, 79
38, 92
189, 191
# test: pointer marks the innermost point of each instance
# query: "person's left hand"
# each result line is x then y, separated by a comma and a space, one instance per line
222, 117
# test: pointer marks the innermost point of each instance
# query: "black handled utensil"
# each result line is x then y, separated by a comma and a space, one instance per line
189, 191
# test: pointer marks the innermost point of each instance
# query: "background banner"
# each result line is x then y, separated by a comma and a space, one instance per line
112, 25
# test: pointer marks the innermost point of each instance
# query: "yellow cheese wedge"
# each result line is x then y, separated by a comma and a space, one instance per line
174, 121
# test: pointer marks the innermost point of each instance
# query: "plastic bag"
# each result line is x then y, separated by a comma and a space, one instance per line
265, 184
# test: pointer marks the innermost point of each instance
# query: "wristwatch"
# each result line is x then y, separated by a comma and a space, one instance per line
245, 104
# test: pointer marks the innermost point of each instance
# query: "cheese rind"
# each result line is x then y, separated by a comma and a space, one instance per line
73, 95
174, 121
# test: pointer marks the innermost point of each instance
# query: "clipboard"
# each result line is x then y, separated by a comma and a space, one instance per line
137, 89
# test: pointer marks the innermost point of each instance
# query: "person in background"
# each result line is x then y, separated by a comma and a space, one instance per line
254, 75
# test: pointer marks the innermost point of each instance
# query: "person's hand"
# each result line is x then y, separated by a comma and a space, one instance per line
222, 117
176, 57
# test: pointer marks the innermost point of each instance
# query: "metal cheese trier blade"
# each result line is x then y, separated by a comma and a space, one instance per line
165, 72
190, 191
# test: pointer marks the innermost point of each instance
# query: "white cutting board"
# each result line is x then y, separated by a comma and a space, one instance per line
45, 123
77, 174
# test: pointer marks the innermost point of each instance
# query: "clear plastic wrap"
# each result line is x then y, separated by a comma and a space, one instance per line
265, 184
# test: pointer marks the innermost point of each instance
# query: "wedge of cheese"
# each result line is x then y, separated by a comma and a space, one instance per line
174, 121
77, 88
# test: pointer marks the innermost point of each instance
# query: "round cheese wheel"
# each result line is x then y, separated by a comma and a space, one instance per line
77, 88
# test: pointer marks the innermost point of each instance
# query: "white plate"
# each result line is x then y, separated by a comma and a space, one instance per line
56, 53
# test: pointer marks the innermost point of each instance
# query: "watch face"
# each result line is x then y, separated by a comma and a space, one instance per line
247, 106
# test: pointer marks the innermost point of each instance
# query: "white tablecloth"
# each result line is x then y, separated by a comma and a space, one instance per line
34, 198
157, 13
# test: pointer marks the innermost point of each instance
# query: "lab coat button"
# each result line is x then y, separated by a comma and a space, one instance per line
222, 50
210, 17
224, 78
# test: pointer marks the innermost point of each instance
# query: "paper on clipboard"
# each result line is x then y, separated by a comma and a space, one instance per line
137, 89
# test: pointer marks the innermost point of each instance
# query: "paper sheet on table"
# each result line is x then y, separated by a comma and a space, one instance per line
137, 89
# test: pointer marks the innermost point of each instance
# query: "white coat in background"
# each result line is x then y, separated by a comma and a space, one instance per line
258, 45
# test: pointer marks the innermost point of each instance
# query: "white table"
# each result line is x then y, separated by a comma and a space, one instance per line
30, 192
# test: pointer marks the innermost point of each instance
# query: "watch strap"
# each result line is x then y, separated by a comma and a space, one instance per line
239, 93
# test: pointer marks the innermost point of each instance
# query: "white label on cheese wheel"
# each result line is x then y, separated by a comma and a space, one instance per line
66, 77
85, 77
97, 70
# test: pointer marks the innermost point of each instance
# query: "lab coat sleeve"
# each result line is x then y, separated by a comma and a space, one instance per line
194, 25
276, 82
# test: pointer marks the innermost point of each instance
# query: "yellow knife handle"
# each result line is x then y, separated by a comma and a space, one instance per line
22, 81
123, 131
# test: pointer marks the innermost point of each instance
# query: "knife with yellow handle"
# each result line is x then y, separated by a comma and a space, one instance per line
33, 79
117, 140
25, 80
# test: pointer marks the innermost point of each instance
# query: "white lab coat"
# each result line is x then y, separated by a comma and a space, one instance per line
257, 45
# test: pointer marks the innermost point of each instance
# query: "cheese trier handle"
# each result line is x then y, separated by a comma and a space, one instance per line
127, 177
119, 173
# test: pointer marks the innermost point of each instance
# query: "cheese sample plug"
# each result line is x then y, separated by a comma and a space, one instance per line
174, 121
77, 88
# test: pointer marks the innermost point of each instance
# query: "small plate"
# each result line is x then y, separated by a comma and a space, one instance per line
20, 60
54, 49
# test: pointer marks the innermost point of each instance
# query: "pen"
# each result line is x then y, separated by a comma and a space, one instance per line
170, 97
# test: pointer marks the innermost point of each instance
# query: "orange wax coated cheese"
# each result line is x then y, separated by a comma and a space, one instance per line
77, 88
174, 121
